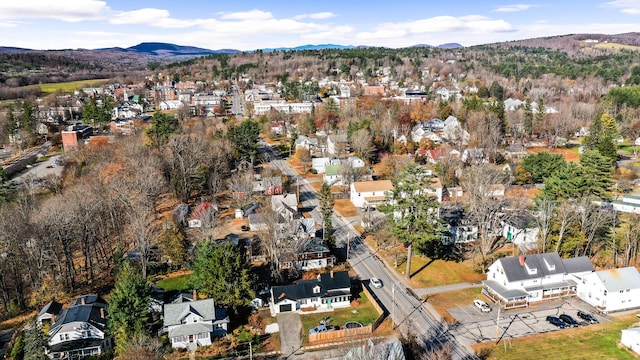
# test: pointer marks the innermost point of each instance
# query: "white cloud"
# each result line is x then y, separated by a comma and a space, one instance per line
65, 10
513, 8
631, 7
254, 14
315, 16
153, 17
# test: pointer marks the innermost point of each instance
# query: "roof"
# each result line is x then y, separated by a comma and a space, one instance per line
508, 294
315, 245
369, 186
191, 329
546, 264
53, 307
332, 170
620, 279
174, 313
339, 283
90, 313
522, 221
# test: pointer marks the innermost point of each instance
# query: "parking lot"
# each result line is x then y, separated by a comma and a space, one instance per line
474, 326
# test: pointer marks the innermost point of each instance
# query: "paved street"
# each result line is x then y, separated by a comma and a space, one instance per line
406, 308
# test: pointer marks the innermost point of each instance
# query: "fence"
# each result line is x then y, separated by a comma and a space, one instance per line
336, 335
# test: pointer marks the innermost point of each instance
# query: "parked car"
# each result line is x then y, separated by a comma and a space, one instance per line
375, 282
587, 317
556, 321
483, 306
318, 329
569, 320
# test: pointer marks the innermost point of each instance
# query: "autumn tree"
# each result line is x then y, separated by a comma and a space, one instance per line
362, 144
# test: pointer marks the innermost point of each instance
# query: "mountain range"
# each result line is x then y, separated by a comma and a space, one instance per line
166, 50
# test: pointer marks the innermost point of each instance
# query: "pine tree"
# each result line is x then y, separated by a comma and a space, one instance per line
35, 342
325, 197
128, 305
222, 273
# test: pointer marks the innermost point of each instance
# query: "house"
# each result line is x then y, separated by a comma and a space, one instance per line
515, 281
49, 312
419, 133
522, 230
434, 124
285, 205
269, 185
190, 324
458, 229
370, 193
171, 105
631, 339
512, 104
474, 156
314, 255
337, 144
304, 142
628, 204
453, 131
332, 175
78, 331
355, 162
203, 213
319, 164
515, 152
328, 290
611, 290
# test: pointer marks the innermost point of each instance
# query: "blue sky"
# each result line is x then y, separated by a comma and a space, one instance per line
248, 25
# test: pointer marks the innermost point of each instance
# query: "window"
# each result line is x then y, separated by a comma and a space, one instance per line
64, 336
320, 254
303, 301
316, 289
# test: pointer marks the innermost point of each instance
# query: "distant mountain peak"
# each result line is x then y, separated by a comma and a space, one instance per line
169, 50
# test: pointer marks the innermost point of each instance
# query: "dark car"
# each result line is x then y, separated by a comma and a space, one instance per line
568, 320
587, 317
556, 321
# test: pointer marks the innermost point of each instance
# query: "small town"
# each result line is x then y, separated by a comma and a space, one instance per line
460, 202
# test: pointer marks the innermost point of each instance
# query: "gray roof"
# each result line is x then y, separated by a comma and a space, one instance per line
174, 313
546, 264
620, 279
53, 307
89, 313
508, 294
191, 329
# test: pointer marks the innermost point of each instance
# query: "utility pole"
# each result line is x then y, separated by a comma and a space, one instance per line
250, 351
393, 307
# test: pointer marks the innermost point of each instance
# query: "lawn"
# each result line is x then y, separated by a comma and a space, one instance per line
449, 299
592, 342
365, 313
345, 207
69, 86
179, 283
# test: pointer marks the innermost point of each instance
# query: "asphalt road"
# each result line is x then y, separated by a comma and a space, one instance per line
407, 311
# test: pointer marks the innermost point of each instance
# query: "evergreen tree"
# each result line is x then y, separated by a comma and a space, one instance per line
162, 126
222, 273
90, 111
244, 138
542, 165
6, 187
35, 341
128, 305
413, 213
602, 134
326, 211
528, 117
28, 116
597, 172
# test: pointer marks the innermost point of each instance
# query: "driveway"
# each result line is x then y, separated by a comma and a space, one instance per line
290, 327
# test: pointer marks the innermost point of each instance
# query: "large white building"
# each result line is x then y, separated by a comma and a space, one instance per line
370, 193
611, 290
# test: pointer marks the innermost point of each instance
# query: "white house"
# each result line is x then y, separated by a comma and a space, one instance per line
628, 204
319, 164
79, 331
332, 175
305, 142
516, 281
328, 290
631, 339
355, 162
171, 105
370, 193
611, 290
523, 231
190, 324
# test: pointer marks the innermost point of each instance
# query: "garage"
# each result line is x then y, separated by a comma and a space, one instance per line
285, 307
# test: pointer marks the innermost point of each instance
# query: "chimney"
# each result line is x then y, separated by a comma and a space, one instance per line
195, 295
522, 259
53, 318
102, 313
82, 300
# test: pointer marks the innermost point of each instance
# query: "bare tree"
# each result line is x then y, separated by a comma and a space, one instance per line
544, 219
187, 165
362, 144
241, 184
565, 215
630, 238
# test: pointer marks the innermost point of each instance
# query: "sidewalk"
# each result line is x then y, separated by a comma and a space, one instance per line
437, 289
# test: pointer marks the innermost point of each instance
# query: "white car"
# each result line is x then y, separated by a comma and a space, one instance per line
483, 306
375, 282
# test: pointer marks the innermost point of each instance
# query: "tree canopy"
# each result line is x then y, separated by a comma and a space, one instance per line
542, 165
244, 138
221, 272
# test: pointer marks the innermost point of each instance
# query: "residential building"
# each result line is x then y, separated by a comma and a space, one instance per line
522, 230
631, 339
611, 290
328, 290
459, 230
319, 164
516, 281
315, 255
515, 152
370, 193
75, 135
332, 175
629, 204
48, 313
194, 323
305, 142
79, 331
337, 144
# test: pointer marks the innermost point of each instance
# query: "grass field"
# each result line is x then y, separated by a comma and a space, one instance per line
179, 283
594, 342
449, 299
616, 46
68, 87
345, 207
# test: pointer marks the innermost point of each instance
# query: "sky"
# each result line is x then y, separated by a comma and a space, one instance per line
250, 24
